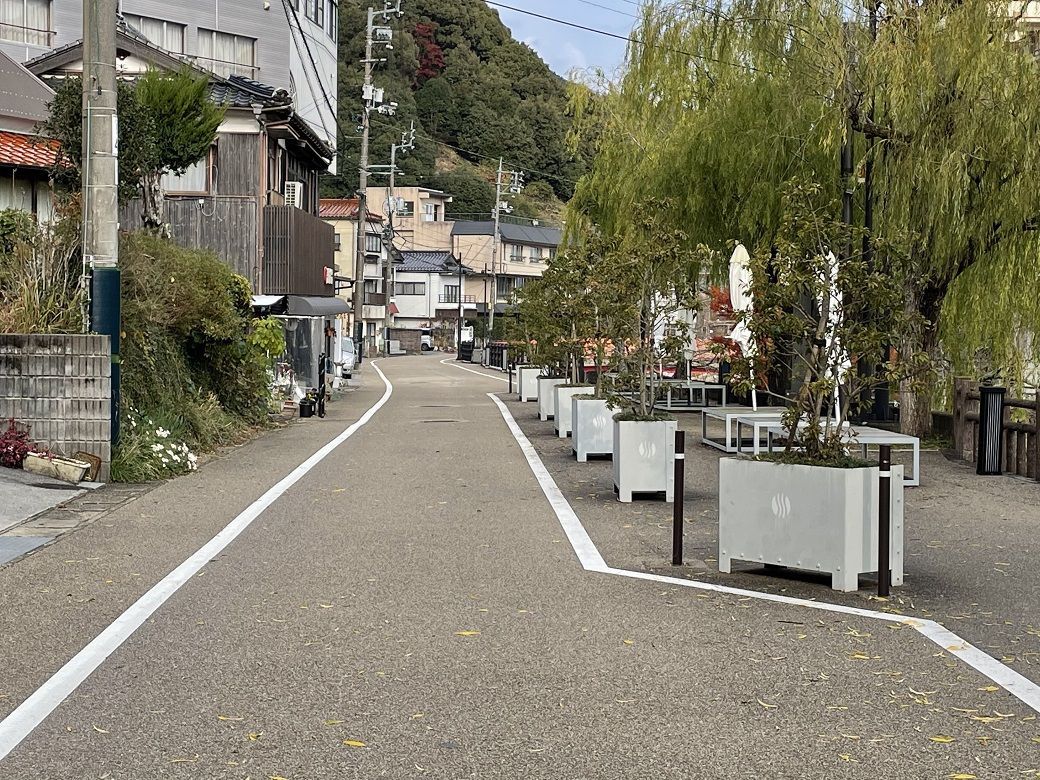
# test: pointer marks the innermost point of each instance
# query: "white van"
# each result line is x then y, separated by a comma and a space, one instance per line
426, 340
348, 356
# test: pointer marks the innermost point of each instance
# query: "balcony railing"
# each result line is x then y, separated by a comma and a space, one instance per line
298, 247
454, 298
375, 299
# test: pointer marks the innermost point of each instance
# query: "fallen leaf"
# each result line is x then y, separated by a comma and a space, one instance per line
355, 743
467, 633
859, 657
100, 730
962, 776
333, 722
942, 739
767, 705
990, 689
228, 717
255, 736
627, 641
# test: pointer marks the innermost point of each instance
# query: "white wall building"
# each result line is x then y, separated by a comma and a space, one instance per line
427, 290
264, 40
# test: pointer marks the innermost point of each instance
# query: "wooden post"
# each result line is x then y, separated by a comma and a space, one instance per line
960, 408
1033, 466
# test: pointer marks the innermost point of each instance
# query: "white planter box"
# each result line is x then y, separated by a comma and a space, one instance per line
562, 407
806, 517
527, 380
547, 396
644, 457
56, 467
592, 427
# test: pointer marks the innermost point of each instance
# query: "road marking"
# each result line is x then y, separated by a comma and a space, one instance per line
1007, 678
451, 362
43, 701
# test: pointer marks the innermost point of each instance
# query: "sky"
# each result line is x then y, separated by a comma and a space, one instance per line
566, 48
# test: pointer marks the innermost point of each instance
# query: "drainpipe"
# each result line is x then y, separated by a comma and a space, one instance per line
261, 196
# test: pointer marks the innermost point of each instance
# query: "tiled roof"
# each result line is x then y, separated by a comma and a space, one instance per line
27, 151
343, 208
240, 92
537, 235
427, 262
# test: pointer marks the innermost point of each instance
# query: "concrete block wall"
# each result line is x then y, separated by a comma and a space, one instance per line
61, 386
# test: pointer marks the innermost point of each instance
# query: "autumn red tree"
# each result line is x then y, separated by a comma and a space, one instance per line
431, 55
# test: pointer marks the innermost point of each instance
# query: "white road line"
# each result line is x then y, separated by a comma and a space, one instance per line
1007, 678
451, 362
42, 702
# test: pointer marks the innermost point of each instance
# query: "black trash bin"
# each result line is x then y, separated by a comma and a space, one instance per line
990, 445
307, 407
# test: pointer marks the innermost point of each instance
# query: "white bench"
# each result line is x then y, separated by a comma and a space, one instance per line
728, 415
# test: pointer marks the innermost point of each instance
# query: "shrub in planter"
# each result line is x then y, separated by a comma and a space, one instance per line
15, 444
562, 395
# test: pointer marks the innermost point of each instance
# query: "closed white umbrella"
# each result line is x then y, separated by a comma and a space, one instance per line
741, 301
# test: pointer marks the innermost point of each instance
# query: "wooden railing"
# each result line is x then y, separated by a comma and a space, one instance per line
1020, 439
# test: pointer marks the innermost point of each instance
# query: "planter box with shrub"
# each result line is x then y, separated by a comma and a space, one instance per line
562, 396
816, 518
644, 451
527, 382
547, 396
592, 427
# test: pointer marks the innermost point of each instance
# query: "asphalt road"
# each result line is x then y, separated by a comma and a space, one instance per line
411, 608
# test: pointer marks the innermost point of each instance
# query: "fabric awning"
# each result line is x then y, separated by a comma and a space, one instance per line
267, 301
315, 305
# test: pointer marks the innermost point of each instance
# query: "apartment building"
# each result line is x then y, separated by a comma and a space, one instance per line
524, 251
342, 214
289, 45
418, 214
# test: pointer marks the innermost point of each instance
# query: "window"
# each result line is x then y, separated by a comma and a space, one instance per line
166, 35
552, 253
373, 244
505, 286
536, 254
431, 212
405, 208
451, 294
516, 253
371, 286
339, 242
226, 54
333, 20
26, 21
410, 288
194, 180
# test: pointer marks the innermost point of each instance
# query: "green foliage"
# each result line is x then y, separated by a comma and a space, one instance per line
812, 312
166, 123
456, 71
184, 120
268, 336
191, 362
40, 290
473, 197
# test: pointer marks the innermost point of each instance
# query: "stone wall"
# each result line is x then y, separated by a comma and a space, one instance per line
61, 386
410, 338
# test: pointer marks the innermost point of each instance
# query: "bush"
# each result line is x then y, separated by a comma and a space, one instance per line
15, 444
150, 449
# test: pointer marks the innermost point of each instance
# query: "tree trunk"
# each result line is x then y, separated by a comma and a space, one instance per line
915, 393
152, 197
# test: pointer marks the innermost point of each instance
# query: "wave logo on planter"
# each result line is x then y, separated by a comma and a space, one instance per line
781, 506
599, 423
647, 449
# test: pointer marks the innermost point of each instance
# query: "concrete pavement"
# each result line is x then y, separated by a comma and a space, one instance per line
411, 608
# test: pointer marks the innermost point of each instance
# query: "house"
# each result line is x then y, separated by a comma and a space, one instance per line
427, 291
418, 216
253, 200
524, 251
290, 45
377, 311
25, 159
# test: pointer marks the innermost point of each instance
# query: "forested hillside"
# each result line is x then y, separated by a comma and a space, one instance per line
474, 93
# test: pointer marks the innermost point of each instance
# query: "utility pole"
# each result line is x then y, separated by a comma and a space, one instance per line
101, 180
373, 101
407, 144
514, 182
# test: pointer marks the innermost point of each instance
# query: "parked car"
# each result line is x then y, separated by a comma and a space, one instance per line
348, 356
426, 340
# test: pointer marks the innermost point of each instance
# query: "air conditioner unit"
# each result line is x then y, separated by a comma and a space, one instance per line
294, 194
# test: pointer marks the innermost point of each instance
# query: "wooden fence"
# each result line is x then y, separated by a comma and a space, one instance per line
1020, 439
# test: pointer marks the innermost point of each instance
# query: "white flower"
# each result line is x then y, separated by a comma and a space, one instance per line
157, 448
165, 461
162, 433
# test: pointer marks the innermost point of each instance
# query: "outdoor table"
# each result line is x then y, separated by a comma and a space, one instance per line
691, 386
865, 436
728, 416
758, 423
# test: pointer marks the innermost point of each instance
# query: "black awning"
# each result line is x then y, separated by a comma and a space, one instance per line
315, 305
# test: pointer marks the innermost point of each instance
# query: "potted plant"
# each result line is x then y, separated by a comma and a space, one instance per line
15, 444
812, 506
543, 327
660, 277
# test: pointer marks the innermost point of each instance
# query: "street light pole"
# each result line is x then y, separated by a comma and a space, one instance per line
101, 181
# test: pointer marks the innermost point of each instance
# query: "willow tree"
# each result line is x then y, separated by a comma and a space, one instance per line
722, 105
